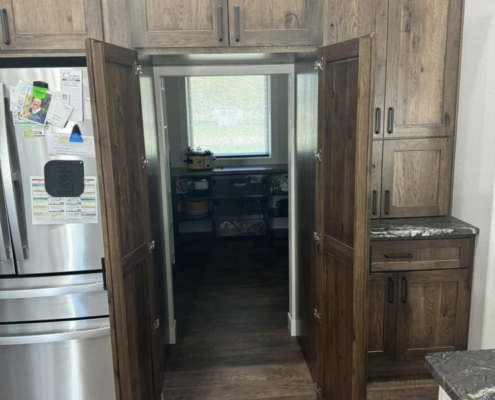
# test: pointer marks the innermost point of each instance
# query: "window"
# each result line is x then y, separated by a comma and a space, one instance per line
230, 115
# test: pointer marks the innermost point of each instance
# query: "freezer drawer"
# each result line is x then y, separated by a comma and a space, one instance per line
57, 361
52, 298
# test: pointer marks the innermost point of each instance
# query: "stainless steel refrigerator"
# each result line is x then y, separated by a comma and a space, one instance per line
54, 327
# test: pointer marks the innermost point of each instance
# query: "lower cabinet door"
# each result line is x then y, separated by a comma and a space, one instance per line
432, 313
382, 311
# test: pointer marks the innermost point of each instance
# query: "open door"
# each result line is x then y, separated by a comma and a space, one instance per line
343, 198
121, 160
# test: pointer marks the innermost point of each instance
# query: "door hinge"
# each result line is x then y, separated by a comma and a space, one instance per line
151, 246
319, 64
317, 315
145, 161
317, 390
156, 325
317, 238
318, 155
138, 69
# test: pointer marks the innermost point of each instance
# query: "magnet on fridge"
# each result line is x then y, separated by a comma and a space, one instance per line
75, 136
64, 178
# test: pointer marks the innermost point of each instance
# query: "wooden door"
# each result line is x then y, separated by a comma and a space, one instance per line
382, 314
343, 198
423, 67
275, 22
50, 24
118, 129
416, 177
376, 179
179, 23
432, 313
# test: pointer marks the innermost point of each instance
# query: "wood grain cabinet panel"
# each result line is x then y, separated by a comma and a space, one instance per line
50, 24
275, 22
422, 67
433, 313
417, 177
179, 23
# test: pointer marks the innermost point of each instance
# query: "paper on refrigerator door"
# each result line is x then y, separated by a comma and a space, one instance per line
59, 144
18, 95
71, 82
48, 210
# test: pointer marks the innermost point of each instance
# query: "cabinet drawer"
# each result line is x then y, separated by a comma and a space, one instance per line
417, 255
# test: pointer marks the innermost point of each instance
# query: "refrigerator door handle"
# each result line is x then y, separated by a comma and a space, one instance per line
11, 181
49, 292
5, 244
54, 337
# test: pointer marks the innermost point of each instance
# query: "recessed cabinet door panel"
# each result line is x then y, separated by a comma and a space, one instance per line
422, 67
376, 179
433, 313
179, 23
416, 177
50, 24
275, 22
120, 151
343, 209
382, 311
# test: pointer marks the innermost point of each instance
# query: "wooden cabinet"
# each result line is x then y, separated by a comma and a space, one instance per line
416, 177
420, 306
49, 25
275, 22
220, 23
179, 23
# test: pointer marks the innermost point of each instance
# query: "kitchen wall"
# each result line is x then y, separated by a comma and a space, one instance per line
474, 182
176, 110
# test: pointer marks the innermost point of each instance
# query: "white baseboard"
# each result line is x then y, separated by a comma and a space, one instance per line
293, 325
171, 334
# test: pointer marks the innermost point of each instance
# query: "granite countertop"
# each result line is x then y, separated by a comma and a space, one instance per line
421, 227
464, 375
183, 172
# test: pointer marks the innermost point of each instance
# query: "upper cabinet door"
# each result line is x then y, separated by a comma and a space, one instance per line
179, 23
275, 22
422, 67
343, 201
49, 24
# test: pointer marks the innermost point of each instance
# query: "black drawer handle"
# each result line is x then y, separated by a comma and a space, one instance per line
237, 12
375, 202
405, 289
407, 255
391, 284
378, 121
5, 26
387, 202
391, 120
220, 23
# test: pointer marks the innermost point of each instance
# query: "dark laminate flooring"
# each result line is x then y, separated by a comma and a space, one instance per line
233, 341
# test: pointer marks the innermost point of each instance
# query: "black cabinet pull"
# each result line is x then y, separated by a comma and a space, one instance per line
391, 285
387, 202
391, 120
237, 12
405, 289
374, 202
220, 23
5, 26
104, 273
408, 255
378, 121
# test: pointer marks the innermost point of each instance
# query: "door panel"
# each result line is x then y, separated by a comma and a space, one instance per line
417, 177
275, 22
382, 311
118, 126
51, 24
433, 313
376, 179
179, 23
423, 67
343, 214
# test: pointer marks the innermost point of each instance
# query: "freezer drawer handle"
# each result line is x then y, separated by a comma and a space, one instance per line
48, 292
54, 337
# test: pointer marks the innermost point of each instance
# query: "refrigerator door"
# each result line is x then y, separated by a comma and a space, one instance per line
68, 360
50, 298
43, 249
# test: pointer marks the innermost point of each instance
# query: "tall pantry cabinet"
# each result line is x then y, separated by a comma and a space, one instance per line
416, 96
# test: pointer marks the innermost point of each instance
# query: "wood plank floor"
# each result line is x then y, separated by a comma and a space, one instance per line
233, 341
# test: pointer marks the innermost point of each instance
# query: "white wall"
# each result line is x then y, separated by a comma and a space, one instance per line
474, 183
